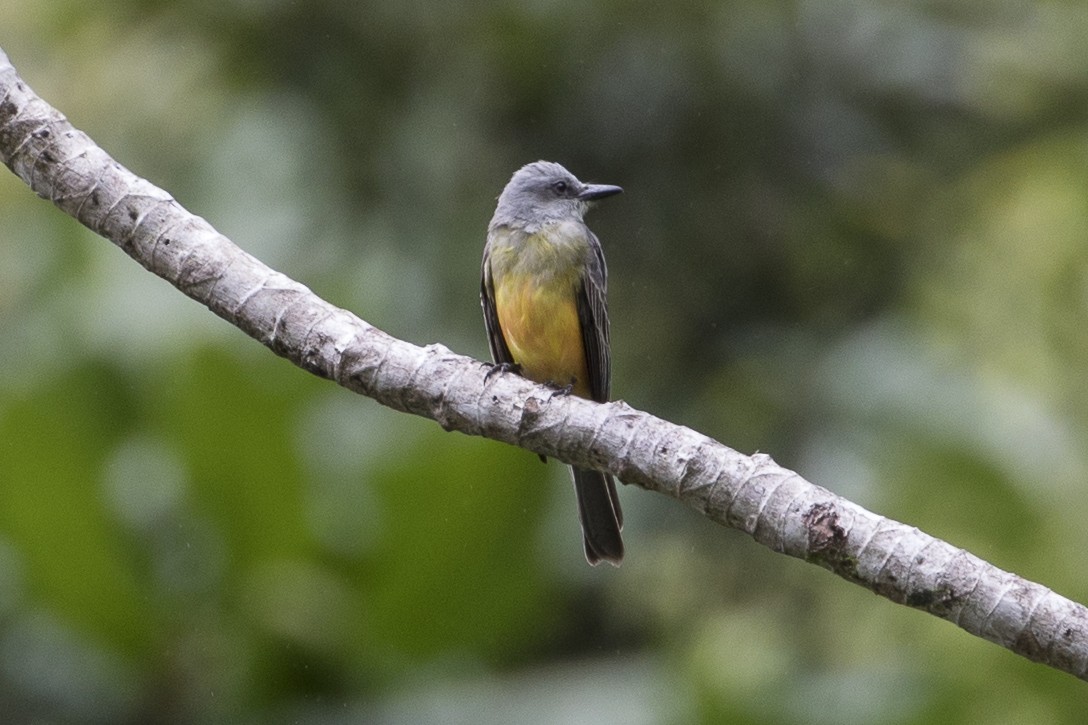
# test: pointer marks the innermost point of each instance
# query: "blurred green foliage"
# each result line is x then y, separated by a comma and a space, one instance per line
854, 237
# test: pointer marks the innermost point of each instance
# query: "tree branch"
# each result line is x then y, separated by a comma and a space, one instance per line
775, 506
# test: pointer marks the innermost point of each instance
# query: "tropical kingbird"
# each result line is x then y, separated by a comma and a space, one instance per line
543, 295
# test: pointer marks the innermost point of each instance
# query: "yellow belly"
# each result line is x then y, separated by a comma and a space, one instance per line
542, 331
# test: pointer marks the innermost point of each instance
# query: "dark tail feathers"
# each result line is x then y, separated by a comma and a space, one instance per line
599, 511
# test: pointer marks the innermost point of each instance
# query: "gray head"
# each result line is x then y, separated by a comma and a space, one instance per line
543, 192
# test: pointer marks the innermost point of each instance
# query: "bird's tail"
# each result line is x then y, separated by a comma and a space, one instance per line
602, 520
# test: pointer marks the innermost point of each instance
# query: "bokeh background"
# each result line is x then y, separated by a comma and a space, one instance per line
855, 236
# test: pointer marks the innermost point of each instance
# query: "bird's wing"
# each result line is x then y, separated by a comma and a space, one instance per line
500, 353
593, 314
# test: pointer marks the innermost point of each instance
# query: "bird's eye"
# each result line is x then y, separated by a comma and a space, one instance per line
560, 187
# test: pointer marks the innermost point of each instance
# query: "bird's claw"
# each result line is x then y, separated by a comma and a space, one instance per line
503, 367
560, 390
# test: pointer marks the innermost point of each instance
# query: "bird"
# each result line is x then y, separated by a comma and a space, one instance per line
543, 292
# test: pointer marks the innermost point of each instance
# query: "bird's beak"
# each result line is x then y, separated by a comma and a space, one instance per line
597, 191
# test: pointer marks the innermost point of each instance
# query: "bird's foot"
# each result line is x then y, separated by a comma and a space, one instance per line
503, 367
560, 390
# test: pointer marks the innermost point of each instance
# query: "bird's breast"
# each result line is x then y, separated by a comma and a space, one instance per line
536, 292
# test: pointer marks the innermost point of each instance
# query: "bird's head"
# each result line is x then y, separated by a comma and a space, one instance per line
543, 192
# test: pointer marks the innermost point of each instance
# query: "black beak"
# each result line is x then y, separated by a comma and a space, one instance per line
597, 191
